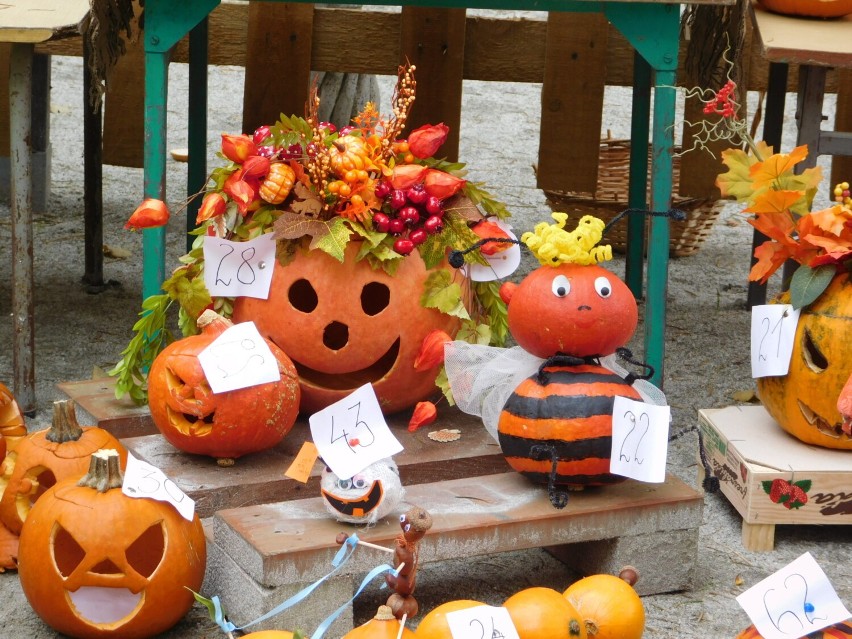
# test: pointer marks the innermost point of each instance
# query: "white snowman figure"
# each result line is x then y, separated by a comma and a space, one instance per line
365, 497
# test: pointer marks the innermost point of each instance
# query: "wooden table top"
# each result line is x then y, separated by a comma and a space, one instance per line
804, 40
41, 20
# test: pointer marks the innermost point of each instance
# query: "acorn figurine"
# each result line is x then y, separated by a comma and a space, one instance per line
414, 523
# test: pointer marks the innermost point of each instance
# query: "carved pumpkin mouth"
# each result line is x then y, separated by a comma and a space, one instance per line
360, 506
820, 423
105, 607
351, 380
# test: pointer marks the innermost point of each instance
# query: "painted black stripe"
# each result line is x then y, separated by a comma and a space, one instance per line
565, 480
568, 376
558, 406
596, 447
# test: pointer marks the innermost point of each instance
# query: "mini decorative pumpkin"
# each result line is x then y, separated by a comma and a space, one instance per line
434, 624
12, 426
841, 630
560, 419
609, 605
364, 498
804, 401
97, 563
223, 425
346, 324
543, 612
810, 8
278, 182
383, 626
45, 457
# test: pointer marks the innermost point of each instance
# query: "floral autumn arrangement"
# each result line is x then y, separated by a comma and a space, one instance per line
321, 189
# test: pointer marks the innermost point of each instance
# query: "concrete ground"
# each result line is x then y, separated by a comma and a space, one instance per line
707, 333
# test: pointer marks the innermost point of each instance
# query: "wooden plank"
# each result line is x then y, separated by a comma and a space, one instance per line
841, 166
572, 102
434, 41
121, 417
293, 542
124, 109
40, 20
278, 61
803, 41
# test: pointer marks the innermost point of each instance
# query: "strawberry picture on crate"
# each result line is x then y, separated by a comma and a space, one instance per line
792, 495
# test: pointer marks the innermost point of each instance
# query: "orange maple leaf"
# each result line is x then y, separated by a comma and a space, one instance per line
835, 220
771, 170
778, 226
774, 201
770, 256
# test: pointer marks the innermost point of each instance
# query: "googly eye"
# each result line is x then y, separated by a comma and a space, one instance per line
359, 482
402, 519
344, 484
603, 287
561, 286
406, 528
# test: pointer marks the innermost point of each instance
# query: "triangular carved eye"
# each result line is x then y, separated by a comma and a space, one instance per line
146, 553
67, 553
814, 358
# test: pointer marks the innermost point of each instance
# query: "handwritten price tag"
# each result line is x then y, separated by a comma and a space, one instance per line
142, 480
640, 440
501, 264
773, 327
238, 358
481, 622
352, 433
239, 268
794, 602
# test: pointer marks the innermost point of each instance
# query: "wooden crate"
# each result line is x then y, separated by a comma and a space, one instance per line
749, 451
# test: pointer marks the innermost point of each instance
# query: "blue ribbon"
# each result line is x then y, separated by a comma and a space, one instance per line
342, 556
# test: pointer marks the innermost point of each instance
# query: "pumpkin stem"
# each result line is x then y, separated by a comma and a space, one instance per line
209, 317
630, 574
104, 471
65, 427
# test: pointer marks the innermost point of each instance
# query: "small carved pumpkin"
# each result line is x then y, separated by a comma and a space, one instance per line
609, 605
12, 426
346, 324
810, 8
364, 498
543, 612
383, 626
564, 415
97, 563
841, 630
223, 425
804, 401
45, 457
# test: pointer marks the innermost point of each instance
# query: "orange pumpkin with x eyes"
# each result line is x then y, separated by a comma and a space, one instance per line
96, 563
345, 324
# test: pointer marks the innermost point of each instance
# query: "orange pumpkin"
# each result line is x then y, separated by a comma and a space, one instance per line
277, 184
349, 153
383, 626
842, 630
97, 563
434, 624
609, 605
12, 426
804, 402
345, 324
810, 8
224, 425
43, 458
543, 612
269, 634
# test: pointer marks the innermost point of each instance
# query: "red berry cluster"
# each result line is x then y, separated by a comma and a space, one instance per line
411, 215
722, 103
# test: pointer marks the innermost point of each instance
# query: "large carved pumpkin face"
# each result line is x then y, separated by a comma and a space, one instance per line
223, 425
97, 564
345, 325
571, 309
804, 402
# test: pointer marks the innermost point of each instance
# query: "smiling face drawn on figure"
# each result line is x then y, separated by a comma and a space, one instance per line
364, 498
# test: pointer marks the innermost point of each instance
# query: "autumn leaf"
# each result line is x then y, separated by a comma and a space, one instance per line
807, 284
778, 226
292, 226
441, 292
334, 240
774, 201
736, 181
834, 220
190, 293
464, 207
770, 172
307, 202
770, 256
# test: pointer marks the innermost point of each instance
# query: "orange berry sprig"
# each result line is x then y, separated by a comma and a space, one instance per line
318, 162
403, 100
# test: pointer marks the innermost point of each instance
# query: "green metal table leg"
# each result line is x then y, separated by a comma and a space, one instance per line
196, 174
637, 197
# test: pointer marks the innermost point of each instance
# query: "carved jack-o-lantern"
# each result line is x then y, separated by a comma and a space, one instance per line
45, 457
12, 426
346, 324
223, 425
97, 563
804, 401
364, 498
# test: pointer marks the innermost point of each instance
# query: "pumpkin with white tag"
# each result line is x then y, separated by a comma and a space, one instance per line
223, 425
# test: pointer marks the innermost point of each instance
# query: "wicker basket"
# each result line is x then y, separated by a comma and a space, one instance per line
686, 236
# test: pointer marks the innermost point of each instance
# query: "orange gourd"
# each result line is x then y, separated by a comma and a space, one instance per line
96, 563
277, 184
45, 457
609, 605
539, 613
223, 425
810, 8
383, 626
434, 624
349, 153
804, 401
841, 630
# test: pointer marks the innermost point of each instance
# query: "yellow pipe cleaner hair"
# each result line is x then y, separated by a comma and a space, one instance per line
553, 245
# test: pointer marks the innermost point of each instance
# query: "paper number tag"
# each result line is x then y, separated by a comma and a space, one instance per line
481, 622
501, 264
794, 602
352, 433
142, 480
239, 268
238, 358
773, 327
640, 440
